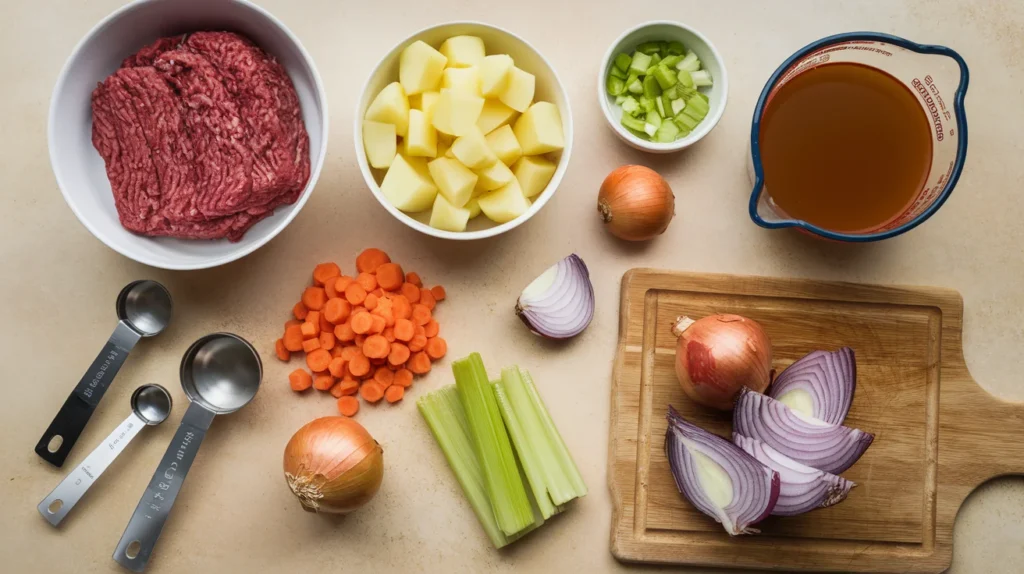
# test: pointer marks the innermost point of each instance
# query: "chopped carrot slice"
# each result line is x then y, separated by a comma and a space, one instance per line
398, 354
394, 393
436, 348
390, 276
378, 324
414, 278
371, 392
293, 338
323, 382
420, 330
431, 329
389, 334
310, 330
419, 363
370, 302
314, 298
355, 294
348, 406
411, 292
342, 283
359, 365
367, 281
282, 353
300, 310
327, 340
348, 385
325, 325
401, 307
427, 299
291, 322
420, 314
337, 367
324, 272
344, 332
336, 310
418, 342
438, 292
384, 376
313, 317
370, 259
403, 378
330, 290
378, 292
362, 323
376, 347
310, 345
404, 330
300, 380
350, 352
318, 360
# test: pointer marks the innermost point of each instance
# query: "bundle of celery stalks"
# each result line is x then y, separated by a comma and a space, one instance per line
657, 89
503, 447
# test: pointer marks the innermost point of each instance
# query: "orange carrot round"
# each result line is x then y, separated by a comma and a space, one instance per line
314, 298
282, 353
404, 330
329, 288
370, 259
438, 292
420, 314
300, 380
403, 378
348, 406
384, 376
432, 328
293, 338
411, 292
336, 310
318, 360
390, 276
310, 330
419, 363
367, 281
394, 393
300, 310
398, 354
348, 385
378, 324
342, 283
355, 294
427, 299
344, 332
350, 352
389, 334
414, 278
436, 348
323, 382
359, 365
310, 345
323, 272
337, 367
376, 347
327, 341
291, 322
370, 302
361, 323
418, 342
371, 392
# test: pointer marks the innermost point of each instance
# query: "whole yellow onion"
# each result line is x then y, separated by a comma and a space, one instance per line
333, 465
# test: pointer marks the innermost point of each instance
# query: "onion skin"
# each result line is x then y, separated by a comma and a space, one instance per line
719, 355
333, 465
635, 203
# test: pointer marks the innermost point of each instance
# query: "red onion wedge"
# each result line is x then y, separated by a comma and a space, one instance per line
560, 303
803, 488
719, 478
805, 439
819, 385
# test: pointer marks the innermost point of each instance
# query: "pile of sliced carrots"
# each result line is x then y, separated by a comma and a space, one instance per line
364, 336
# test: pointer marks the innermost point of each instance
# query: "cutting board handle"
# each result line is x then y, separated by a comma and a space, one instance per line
982, 435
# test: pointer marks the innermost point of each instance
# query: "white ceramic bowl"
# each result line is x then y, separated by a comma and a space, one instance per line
78, 166
693, 40
497, 41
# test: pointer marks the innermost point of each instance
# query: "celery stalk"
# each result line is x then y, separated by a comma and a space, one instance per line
671, 61
492, 446
640, 63
615, 86
618, 73
554, 437
649, 48
685, 78
651, 87
530, 457
676, 48
622, 62
633, 123
701, 78
690, 63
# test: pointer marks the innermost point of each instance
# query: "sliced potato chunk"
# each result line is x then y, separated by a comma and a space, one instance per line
504, 204
407, 184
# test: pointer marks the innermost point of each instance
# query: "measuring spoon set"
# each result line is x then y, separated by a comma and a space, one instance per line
220, 373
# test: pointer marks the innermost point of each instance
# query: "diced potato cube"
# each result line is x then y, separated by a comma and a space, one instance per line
504, 204
473, 207
454, 180
407, 184
420, 67
504, 145
533, 174
391, 107
472, 150
421, 140
463, 51
448, 217
465, 80
518, 94
380, 142
493, 177
493, 115
539, 129
494, 73
427, 102
455, 112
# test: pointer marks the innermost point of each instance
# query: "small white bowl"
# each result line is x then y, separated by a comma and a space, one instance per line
710, 60
79, 168
497, 41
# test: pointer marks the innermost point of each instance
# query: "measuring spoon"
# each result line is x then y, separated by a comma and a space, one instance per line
151, 404
220, 374
143, 310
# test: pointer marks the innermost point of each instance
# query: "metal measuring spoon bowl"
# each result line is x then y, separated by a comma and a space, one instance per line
151, 405
220, 373
143, 310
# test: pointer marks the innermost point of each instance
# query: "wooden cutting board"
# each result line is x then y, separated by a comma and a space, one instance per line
938, 435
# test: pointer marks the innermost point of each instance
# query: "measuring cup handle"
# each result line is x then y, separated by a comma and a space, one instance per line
80, 404
143, 530
77, 482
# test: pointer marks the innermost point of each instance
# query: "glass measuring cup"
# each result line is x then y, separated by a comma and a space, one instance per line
938, 78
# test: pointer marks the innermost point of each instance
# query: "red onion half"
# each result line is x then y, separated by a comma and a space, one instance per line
803, 488
560, 303
718, 478
819, 385
805, 439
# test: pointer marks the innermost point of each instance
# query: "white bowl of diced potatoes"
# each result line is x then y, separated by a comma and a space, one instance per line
463, 131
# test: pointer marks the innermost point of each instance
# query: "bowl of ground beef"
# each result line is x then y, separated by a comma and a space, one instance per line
186, 134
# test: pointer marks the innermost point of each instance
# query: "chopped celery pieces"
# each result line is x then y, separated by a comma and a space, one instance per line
659, 80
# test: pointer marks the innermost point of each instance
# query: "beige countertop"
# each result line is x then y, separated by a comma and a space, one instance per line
235, 513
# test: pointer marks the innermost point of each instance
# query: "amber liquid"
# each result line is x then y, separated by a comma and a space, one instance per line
845, 147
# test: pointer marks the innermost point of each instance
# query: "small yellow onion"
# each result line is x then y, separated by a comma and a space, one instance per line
333, 465
635, 203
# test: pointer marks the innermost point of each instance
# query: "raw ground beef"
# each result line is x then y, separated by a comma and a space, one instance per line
202, 137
